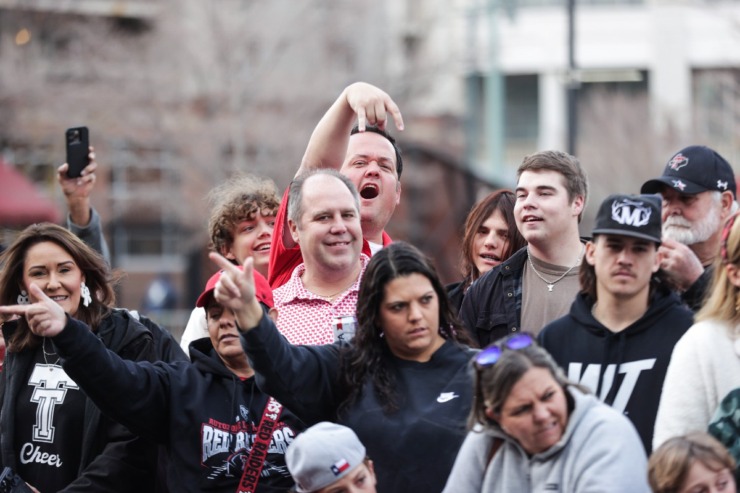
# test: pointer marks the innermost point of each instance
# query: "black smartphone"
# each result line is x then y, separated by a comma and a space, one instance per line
78, 148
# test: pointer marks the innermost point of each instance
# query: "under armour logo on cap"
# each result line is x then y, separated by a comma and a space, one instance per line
693, 170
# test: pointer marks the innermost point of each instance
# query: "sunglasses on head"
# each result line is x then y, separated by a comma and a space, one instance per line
490, 355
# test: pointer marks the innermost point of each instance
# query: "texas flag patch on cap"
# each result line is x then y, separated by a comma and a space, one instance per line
339, 467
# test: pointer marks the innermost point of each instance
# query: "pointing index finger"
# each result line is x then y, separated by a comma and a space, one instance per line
15, 309
38, 293
395, 111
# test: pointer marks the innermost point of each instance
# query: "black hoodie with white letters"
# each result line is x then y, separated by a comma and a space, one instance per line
624, 369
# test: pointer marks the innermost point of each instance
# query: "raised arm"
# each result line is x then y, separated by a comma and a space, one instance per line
363, 102
82, 219
132, 393
235, 290
303, 378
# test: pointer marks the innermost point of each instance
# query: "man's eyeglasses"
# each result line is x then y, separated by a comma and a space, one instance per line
490, 355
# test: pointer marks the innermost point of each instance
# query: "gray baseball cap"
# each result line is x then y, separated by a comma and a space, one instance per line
323, 454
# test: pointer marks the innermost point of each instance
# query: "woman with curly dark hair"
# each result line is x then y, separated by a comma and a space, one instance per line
403, 384
51, 433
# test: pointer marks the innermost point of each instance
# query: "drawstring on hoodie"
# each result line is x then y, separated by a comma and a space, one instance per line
621, 347
235, 382
609, 337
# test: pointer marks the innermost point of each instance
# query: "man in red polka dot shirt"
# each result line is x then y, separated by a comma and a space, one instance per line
317, 305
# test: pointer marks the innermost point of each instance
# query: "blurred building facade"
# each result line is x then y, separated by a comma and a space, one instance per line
180, 94
652, 76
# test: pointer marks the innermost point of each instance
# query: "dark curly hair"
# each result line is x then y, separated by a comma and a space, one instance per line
239, 199
364, 359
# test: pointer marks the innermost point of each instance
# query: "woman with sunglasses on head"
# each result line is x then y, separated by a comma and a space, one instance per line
50, 432
403, 385
533, 430
490, 237
705, 364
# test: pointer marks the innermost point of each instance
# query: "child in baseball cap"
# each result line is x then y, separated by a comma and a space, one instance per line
330, 456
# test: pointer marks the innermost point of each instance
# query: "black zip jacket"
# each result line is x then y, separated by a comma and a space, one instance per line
492, 306
625, 369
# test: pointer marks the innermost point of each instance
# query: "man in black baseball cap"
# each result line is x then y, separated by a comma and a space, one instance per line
618, 337
699, 192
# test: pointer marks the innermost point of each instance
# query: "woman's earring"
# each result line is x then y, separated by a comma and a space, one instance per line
22, 298
85, 293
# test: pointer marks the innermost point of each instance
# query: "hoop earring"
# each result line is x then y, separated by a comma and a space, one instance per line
85, 294
22, 298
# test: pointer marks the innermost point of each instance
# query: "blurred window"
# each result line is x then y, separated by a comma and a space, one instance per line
716, 109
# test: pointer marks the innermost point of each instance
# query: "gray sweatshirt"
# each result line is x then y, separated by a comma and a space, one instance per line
600, 451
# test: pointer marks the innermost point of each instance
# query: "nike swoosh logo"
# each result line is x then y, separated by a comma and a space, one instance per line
446, 397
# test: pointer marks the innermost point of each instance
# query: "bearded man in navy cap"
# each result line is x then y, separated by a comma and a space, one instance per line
699, 194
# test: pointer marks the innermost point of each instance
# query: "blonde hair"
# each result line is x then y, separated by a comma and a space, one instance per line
670, 463
721, 302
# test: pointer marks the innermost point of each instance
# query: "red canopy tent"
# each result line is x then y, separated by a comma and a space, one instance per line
21, 203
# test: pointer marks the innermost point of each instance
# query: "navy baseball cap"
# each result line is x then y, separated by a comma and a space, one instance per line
637, 216
322, 455
693, 170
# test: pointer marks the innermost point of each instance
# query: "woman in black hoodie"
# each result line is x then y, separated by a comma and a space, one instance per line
52, 435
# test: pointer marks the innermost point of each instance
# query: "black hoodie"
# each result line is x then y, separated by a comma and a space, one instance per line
204, 414
112, 459
636, 357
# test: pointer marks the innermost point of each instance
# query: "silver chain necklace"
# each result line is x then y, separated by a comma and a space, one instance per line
551, 284
43, 350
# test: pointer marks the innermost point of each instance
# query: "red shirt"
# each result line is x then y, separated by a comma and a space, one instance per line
284, 260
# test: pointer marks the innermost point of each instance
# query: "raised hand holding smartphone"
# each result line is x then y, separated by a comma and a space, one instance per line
78, 143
